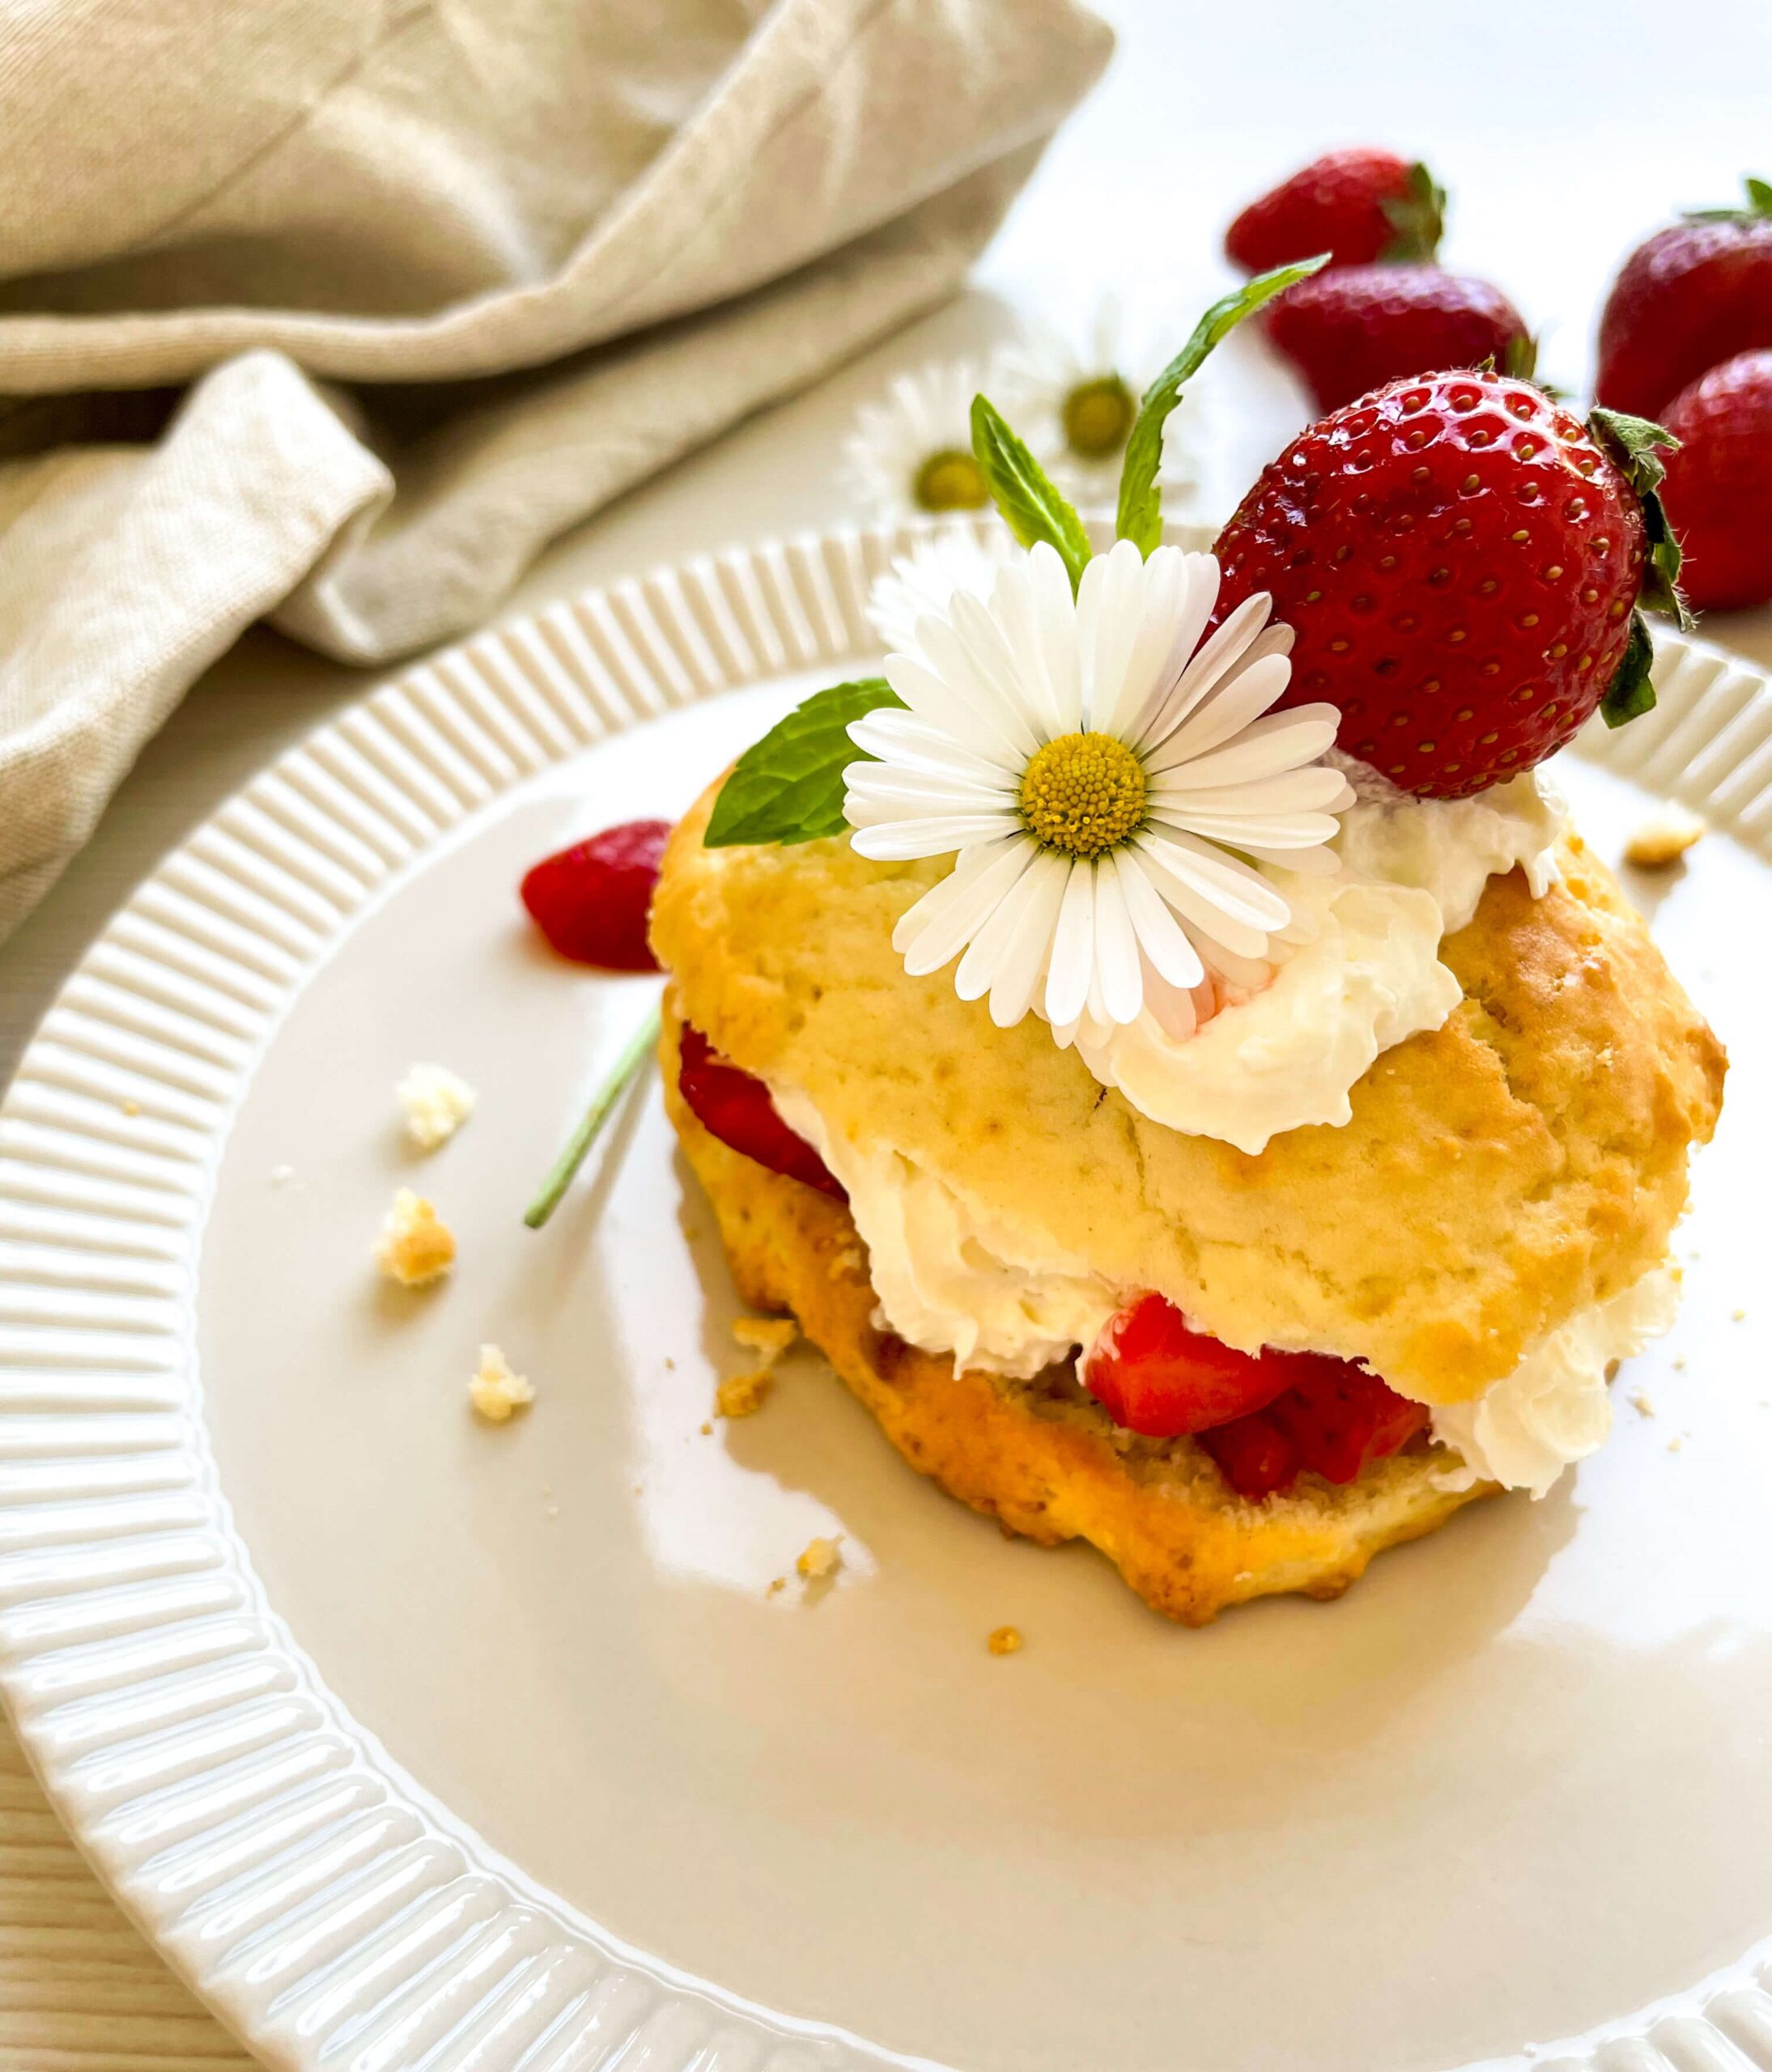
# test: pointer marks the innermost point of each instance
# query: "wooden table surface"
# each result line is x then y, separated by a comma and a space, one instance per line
1550, 187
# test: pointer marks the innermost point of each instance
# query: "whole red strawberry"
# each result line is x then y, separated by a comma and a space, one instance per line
1696, 294
1357, 205
1460, 559
1348, 331
1719, 490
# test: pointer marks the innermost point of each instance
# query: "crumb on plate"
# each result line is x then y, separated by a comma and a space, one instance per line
1680, 1363
743, 1394
1676, 1443
1643, 1406
768, 1337
1663, 837
819, 1558
282, 1175
777, 1585
416, 1245
1006, 1639
708, 1430
436, 1102
130, 1107
496, 1391
1738, 1316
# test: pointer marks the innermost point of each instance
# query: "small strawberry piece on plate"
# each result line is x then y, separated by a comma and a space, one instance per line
735, 1106
1352, 329
1152, 1372
591, 901
1695, 294
1719, 490
1357, 205
1460, 560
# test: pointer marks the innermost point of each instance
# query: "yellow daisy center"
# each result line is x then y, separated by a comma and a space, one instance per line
1083, 793
1098, 416
949, 481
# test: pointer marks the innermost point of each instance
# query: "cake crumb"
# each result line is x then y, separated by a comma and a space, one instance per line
1679, 1364
553, 1510
416, 1245
744, 1393
496, 1392
777, 1585
819, 1558
768, 1337
1642, 1404
1676, 1442
707, 1429
1663, 837
436, 1102
1006, 1639
1738, 1316
282, 1175
130, 1107
670, 1365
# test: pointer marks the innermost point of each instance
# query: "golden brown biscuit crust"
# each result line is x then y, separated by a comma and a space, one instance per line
1039, 1457
1521, 1163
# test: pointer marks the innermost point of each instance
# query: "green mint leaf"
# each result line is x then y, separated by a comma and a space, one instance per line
1032, 508
787, 788
1417, 220
1759, 195
1636, 445
1139, 518
1631, 693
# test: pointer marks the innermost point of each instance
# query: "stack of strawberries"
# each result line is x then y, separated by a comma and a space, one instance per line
1685, 337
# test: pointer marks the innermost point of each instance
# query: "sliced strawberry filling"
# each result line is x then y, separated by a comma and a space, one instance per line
736, 1107
1265, 1418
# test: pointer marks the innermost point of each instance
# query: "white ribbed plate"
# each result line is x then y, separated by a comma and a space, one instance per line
528, 1768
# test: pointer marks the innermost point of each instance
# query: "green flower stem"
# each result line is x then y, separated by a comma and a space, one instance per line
634, 1054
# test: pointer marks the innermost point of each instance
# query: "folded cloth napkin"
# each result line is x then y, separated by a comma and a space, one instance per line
337, 311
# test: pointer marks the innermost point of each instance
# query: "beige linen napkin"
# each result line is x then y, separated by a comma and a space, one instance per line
339, 312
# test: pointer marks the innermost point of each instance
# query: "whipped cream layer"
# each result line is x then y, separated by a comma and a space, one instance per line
1359, 972
953, 1277
1555, 1408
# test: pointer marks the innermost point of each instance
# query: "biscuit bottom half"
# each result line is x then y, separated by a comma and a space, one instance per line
1041, 1456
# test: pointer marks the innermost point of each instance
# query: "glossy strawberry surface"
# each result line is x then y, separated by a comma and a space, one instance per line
1695, 294
736, 1107
1350, 330
1719, 490
1459, 560
1336, 204
591, 901
1152, 1372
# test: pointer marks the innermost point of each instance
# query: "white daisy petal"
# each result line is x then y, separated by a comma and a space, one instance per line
1073, 948
1279, 741
951, 560
941, 923
1160, 935
1229, 708
1297, 830
881, 789
1249, 973
967, 649
921, 415
989, 945
1307, 863
957, 708
1022, 962
1216, 885
1117, 976
903, 841
900, 738
1108, 626
1211, 664
1309, 790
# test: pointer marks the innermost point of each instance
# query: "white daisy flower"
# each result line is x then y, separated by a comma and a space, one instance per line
1116, 790
910, 453
924, 580
1074, 397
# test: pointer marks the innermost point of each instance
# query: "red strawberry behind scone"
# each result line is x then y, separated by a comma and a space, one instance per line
1461, 560
1357, 205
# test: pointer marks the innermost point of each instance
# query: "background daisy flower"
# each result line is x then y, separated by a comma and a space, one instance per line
1109, 781
910, 454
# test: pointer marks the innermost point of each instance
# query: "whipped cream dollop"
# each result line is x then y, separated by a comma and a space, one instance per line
951, 1276
1358, 971
1554, 1409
